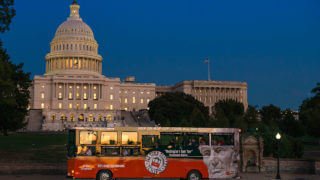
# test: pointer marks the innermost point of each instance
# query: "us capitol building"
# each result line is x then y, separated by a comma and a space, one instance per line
73, 91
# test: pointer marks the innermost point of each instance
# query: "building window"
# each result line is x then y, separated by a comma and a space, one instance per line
53, 117
42, 86
60, 105
42, 95
60, 87
94, 87
126, 109
141, 101
78, 96
148, 92
90, 117
84, 106
126, 92
95, 106
95, 96
78, 87
133, 99
125, 100
70, 105
148, 100
111, 96
42, 105
133, 92
85, 96
70, 87
78, 105
70, 95
109, 117
141, 92
59, 95
84, 87
111, 107
72, 117
111, 87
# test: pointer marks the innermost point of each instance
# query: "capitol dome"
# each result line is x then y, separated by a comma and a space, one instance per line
73, 50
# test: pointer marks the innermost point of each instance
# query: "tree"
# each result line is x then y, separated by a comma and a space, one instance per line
178, 110
309, 112
290, 125
229, 113
251, 117
6, 14
14, 82
270, 115
316, 90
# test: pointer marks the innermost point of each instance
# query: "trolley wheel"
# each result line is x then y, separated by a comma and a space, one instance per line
104, 175
194, 175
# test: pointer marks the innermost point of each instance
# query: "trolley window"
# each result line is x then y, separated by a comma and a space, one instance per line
109, 138
88, 137
129, 138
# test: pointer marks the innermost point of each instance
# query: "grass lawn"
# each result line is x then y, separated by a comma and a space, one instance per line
38, 148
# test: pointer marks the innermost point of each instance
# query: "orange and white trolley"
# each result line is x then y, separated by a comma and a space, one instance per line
153, 152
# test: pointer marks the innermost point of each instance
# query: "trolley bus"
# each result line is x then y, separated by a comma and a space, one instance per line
153, 152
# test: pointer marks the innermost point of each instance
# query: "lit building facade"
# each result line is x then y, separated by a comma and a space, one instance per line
73, 91
209, 92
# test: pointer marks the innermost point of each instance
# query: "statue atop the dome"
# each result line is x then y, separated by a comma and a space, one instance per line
74, 2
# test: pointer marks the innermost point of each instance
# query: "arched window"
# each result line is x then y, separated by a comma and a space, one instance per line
53, 117
109, 117
63, 117
90, 117
100, 117
81, 117
72, 117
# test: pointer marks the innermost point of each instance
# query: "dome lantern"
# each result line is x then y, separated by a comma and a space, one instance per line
74, 11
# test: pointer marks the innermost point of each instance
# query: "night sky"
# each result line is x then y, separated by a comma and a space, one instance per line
274, 46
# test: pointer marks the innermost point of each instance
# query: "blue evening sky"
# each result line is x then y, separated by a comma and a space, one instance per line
272, 45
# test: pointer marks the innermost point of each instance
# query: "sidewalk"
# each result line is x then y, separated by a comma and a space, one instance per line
284, 176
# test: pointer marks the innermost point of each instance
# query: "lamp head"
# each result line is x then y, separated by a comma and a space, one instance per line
278, 136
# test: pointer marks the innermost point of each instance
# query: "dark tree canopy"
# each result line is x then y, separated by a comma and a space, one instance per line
6, 14
271, 115
309, 113
316, 90
251, 117
14, 82
228, 113
178, 110
290, 125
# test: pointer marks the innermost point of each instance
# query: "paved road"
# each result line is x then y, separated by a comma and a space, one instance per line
247, 176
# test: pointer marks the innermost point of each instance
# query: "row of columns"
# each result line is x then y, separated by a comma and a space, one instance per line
65, 90
82, 47
73, 63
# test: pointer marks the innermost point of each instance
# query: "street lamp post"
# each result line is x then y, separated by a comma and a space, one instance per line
278, 137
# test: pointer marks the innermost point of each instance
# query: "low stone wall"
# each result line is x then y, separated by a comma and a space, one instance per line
290, 166
33, 168
317, 167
